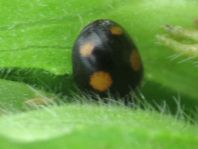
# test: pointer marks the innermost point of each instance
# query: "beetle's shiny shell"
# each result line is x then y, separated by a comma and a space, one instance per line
105, 59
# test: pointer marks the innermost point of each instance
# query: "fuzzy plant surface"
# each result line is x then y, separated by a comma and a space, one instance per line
39, 105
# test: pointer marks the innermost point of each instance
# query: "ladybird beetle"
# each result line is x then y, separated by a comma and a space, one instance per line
105, 59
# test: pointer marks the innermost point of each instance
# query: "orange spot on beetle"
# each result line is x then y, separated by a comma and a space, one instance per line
116, 30
86, 49
100, 81
135, 60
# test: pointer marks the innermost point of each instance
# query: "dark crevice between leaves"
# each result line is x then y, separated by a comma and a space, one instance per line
156, 95
42, 79
63, 85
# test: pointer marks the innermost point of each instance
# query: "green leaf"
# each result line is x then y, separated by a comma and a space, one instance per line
95, 126
13, 96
